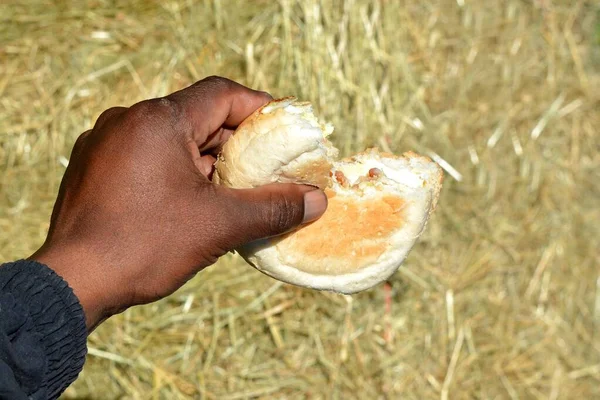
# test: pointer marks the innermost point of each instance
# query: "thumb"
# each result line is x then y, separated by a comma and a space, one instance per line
271, 210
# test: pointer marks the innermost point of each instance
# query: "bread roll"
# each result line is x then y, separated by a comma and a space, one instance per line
379, 203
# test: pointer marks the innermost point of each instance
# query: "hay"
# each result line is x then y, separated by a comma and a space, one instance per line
500, 299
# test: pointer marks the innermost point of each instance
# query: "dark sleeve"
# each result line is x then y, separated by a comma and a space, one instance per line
42, 332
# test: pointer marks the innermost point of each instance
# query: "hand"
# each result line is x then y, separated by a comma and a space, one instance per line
137, 215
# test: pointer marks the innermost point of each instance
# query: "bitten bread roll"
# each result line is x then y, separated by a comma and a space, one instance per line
379, 203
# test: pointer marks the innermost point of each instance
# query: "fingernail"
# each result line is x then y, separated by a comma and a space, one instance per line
266, 94
315, 204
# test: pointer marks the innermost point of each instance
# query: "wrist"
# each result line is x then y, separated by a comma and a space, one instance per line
80, 270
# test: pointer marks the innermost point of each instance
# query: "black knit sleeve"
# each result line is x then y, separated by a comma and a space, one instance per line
42, 332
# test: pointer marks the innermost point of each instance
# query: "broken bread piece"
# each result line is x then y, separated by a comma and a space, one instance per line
379, 203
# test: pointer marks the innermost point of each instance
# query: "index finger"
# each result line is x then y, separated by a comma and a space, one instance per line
216, 102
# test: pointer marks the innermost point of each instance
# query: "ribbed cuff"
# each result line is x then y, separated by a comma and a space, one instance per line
57, 319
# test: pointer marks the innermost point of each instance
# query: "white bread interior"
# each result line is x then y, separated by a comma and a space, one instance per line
379, 203
281, 142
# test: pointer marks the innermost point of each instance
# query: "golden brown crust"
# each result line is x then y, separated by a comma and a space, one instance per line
435, 182
252, 118
316, 173
351, 229
370, 224
240, 163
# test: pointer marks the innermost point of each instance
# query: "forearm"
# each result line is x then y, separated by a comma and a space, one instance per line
42, 332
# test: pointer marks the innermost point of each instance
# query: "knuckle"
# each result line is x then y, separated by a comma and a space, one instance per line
80, 140
140, 112
161, 112
217, 82
82, 137
161, 107
110, 113
281, 213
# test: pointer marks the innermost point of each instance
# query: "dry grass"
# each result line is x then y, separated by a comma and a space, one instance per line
501, 298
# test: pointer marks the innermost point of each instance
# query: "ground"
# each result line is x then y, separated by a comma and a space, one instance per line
501, 296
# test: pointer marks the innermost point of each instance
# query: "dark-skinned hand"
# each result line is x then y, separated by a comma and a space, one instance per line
137, 215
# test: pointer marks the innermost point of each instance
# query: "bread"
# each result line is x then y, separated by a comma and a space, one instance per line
379, 203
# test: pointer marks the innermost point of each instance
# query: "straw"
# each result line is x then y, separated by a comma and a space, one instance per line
501, 296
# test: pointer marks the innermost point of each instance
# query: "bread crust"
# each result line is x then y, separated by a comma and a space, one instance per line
371, 222
259, 152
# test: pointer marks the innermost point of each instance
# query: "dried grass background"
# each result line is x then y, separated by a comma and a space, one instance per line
501, 297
